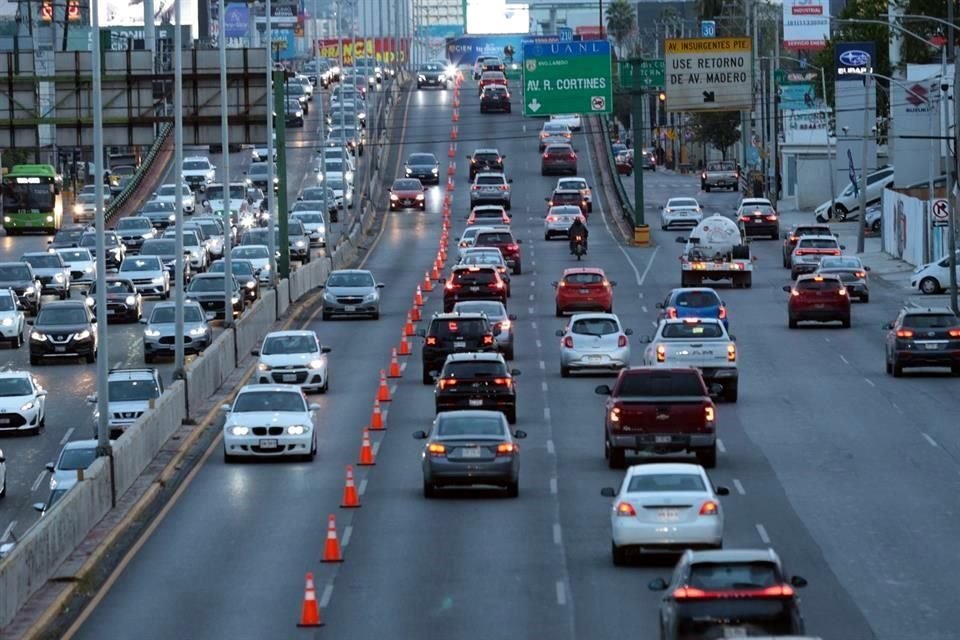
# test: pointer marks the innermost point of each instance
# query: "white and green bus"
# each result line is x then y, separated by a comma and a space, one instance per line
31, 199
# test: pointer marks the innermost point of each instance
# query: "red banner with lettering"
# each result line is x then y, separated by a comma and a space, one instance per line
382, 49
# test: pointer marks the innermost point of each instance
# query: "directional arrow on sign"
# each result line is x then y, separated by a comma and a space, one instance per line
708, 96
534, 105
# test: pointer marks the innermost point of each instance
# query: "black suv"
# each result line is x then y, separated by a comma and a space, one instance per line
485, 160
62, 329
495, 98
19, 277
711, 590
124, 302
477, 381
923, 338
473, 282
208, 289
454, 333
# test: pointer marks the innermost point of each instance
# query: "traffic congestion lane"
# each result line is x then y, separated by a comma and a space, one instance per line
274, 515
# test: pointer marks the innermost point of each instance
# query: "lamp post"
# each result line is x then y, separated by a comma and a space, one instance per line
225, 171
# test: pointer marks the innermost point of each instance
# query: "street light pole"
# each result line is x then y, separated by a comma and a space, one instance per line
270, 195
863, 164
178, 183
225, 173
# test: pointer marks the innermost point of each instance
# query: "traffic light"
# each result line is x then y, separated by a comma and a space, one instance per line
662, 96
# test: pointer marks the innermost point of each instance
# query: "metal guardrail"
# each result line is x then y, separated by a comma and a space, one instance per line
138, 177
625, 205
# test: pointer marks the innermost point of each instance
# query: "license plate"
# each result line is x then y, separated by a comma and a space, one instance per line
474, 289
349, 308
111, 312
268, 444
289, 377
60, 349
584, 290
471, 452
595, 358
663, 439
460, 344
931, 346
668, 514
735, 632
476, 402
819, 305
4, 420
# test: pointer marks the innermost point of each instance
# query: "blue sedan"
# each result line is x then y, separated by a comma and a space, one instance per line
692, 302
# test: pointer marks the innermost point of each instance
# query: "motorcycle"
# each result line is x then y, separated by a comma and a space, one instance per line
579, 247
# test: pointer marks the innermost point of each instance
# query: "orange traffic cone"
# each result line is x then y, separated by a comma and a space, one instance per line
451, 152
418, 298
331, 550
350, 498
415, 313
376, 420
451, 168
456, 102
310, 612
394, 371
447, 198
404, 349
427, 285
450, 183
408, 329
454, 133
366, 455
383, 392
435, 272
456, 115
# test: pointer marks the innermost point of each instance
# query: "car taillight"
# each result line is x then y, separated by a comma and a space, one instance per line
504, 187
475, 187
671, 312
513, 247
503, 382
802, 252
573, 156
507, 449
436, 449
626, 510
709, 414
661, 353
793, 239
446, 383
546, 155
771, 218
551, 218
841, 291
450, 286
723, 313
568, 342
688, 593
488, 340
907, 333
615, 414
833, 252
622, 341
794, 292
744, 218
709, 508
497, 285
954, 333
431, 341
731, 353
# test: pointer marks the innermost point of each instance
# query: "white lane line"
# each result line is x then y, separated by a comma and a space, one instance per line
36, 483
543, 365
933, 443
720, 447
543, 385
739, 487
347, 532
557, 534
827, 339
654, 323
376, 448
8, 531
533, 283
327, 594
531, 297
553, 485
66, 436
550, 448
362, 489
643, 308
896, 406
561, 593
870, 382
845, 361
533, 323
546, 414
762, 532
539, 344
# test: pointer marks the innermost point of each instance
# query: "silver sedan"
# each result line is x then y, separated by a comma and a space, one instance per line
498, 317
351, 292
467, 448
594, 342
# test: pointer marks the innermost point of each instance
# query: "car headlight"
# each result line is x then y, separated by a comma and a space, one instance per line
198, 331
235, 299
419, 196
90, 301
158, 280
299, 244
39, 337
371, 297
28, 291
408, 170
252, 284
28, 406
81, 335
147, 236
7, 322
53, 483
88, 269
436, 170
151, 333
394, 196
240, 431
78, 208
249, 182
317, 363
263, 367
296, 430
329, 297
131, 300
58, 277
421, 78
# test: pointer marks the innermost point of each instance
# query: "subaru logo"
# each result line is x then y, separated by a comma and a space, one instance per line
855, 58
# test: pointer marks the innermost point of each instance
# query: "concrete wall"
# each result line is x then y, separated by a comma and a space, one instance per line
283, 297
254, 324
208, 371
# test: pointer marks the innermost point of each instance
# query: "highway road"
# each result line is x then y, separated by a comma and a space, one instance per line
69, 417
849, 474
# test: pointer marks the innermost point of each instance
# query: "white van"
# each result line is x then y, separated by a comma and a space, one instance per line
934, 277
848, 201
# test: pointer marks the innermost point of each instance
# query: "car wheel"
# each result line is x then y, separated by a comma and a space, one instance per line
845, 322
792, 323
564, 371
513, 489
955, 370
842, 213
793, 274
706, 188
429, 490
558, 311
325, 316
166, 294
91, 357
707, 458
227, 458
786, 262
313, 449
508, 354
427, 378
149, 358
518, 269
897, 368
511, 414
730, 393
929, 285
619, 555
618, 458
35, 360
888, 366
875, 227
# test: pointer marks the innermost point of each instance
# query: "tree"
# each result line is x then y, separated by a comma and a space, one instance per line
719, 129
621, 20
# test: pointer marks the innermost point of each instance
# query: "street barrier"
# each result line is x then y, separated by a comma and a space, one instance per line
208, 371
255, 323
283, 297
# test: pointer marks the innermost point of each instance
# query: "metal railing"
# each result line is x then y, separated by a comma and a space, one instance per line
142, 171
625, 206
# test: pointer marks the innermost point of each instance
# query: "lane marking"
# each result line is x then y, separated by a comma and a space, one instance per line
933, 443
551, 449
362, 489
762, 532
739, 487
36, 483
376, 448
553, 486
543, 365
8, 531
539, 344
66, 436
531, 297
643, 308
532, 324
870, 382
561, 593
347, 532
533, 283
327, 594
546, 414
557, 534
403, 366
845, 361
720, 447
544, 386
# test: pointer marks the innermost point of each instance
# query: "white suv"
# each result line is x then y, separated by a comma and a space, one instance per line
131, 393
198, 172
11, 319
849, 200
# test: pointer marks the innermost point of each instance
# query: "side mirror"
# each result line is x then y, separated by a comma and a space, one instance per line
554, 283
519, 434
254, 352
515, 372
722, 491
325, 349
39, 506
389, 189
420, 435
786, 288
30, 322
888, 326
715, 389
866, 268
628, 332
798, 582
422, 333
379, 285
92, 398
608, 492
657, 584
496, 331
558, 333
646, 339
519, 241
510, 180
659, 305
512, 317
613, 283
732, 337
603, 390
843, 246
314, 407
84, 292
546, 199
143, 321
681, 240
225, 408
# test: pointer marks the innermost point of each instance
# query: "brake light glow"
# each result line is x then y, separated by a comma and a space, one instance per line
507, 449
709, 414
551, 218
568, 342
771, 218
488, 340
775, 591
446, 383
546, 155
431, 341
503, 382
475, 187
744, 218
723, 313
907, 333
691, 321
709, 508
794, 292
818, 278
615, 414
688, 593
671, 312
436, 449
841, 291
661, 353
861, 274
504, 187
731, 353
512, 247
450, 285
793, 239
625, 510
954, 333
497, 285
573, 156
622, 341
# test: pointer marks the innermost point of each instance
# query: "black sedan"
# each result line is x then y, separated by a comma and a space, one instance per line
245, 273
424, 167
67, 237
432, 74
124, 302
759, 220
65, 328
208, 290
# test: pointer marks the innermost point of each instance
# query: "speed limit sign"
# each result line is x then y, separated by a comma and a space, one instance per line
940, 213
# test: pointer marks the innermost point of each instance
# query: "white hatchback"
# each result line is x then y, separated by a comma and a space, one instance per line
293, 357
678, 212
23, 403
11, 319
269, 421
665, 507
934, 277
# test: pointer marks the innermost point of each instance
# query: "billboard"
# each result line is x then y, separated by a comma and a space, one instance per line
496, 16
379, 48
853, 59
236, 20
801, 95
806, 24
466, 49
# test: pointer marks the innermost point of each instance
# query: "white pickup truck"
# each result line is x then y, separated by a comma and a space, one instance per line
702, 343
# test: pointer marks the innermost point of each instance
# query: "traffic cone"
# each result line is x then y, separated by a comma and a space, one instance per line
408, 329
451, 168
376, 420
331, 550
366, 456
383, 392
435, 272
415, 314
310, 612
456, 115
350, 498
418, 298
427, 285
452, 151
394, 371
450, 183
404, 349
446, 199
454, 133
456, 102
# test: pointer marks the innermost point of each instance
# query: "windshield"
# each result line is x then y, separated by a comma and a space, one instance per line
478, 277
15, 387
494, 238
486, 258
69, 255
157, 207
350, 280
251, 253
722, 166
841, 263
665, 482
68, 235
28, 196
260, 170
337, 184
169, 190
133, 224
44, 261
583, 278
269, 401
474, 369
115, 286
80, 458
490, 180
167, 315
692, 330
473, 328
215, 192
682, 202
666, 383
573, 184
299, 343
493, 310
697, 299
711, 576
206, 284
196, 165
86, 198
422, 158
407, 185
431, 67
11, 273
816, 243
595, 327
7, 303
159, 248
140, 264
309, 218
237, 267
133, 390
54, 315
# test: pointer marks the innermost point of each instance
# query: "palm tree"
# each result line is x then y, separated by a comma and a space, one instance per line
621, 20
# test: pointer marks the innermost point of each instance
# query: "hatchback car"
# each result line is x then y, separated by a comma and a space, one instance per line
477, 381
934, 277
558, 158
818, 298
559, 219
664, 507
791, 238
852, 272
500, 320
466, 448
495, 97
503, 239
583, 289
593, 342
729, 593
12, 319
485, 161
293, 357
269, 420
810, 250
758, 220
488, 214
453, 333
473, 282
65, 328
407, 193
50, 269
487, 256
692, 302
490, 188
424, 167
554, 133
124, 302
923, 337
351, 292
159, 334
23, 403
75, 456
681, 212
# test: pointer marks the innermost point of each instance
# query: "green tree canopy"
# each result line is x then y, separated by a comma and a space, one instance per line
621, 20
719, 129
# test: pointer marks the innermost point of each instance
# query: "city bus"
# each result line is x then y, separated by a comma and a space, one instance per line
31, 199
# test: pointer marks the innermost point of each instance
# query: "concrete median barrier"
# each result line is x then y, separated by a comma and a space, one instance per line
283, 297
255, 323
208, 371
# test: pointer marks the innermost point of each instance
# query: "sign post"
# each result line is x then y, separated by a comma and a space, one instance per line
940, 213
641, 232
709, 74
567, 77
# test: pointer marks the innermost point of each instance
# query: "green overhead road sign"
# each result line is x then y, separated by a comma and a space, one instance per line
567, 77
651, 73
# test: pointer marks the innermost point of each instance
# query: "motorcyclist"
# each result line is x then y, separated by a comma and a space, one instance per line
578, 229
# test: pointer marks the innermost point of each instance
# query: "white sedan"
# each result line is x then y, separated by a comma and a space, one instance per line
572, 120
679, 212
83, 268
293, 357
168, 193
269, 420
23, 403
665, 507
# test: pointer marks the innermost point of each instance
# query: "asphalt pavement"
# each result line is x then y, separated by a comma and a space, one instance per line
849, 474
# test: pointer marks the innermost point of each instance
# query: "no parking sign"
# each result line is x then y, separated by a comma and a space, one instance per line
940, 212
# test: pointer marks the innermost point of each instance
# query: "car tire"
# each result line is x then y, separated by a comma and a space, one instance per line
955, 370
518, 269
793, 274
227, 458
558, 311
325, 316
730, 393
91, 357
564, 371
513, 489
706, 188
618, 458
511, 415
888, 366
929, 285
313, 449
786, 262
618, 555
166, 294
426, 378
792, 323
707, 458
897, 368
845, 323
35, 360
429, 490
842, 213
508, 354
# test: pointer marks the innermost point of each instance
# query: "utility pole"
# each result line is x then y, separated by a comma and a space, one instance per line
178, 167
863, 162
279, 87
951, 195
747, 122
641, 232
272, 121
225, 173
318, 93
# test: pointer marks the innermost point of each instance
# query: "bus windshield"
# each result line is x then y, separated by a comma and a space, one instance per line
28, 194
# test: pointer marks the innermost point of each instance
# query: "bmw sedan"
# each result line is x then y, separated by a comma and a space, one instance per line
293, 357
269, 420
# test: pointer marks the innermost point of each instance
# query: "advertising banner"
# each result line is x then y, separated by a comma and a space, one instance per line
379, 48
853, 59
236, 20
806, 24
440, 31
916, 117
903, 221
798, 96
466, 49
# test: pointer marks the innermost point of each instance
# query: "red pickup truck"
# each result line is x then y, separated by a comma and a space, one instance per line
659, 410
